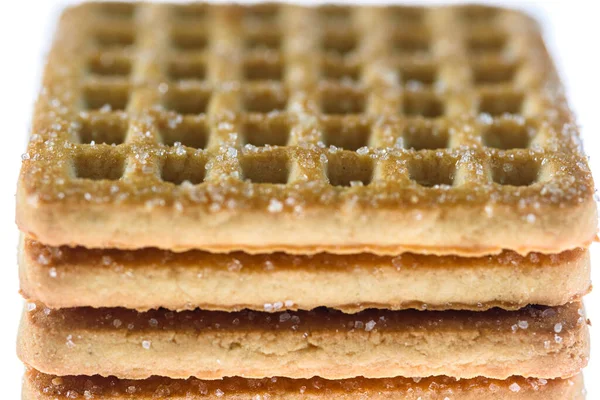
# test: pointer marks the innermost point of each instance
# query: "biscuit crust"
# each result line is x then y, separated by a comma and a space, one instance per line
465, 145
39, 386
536, 342
63, 277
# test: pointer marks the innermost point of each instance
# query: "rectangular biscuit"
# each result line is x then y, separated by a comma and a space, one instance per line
39, 386
536, 342
281, 128
62, 277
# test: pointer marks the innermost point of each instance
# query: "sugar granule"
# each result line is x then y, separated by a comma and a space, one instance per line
275, 206
370, 325
514, 387
523, 324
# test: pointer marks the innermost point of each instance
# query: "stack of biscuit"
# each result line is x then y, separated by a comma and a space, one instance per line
285, 202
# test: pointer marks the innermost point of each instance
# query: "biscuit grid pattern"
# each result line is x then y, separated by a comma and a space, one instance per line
276, 106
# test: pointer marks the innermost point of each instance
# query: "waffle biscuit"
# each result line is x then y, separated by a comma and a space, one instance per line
536, 342
281, 128
150, 278
38, 386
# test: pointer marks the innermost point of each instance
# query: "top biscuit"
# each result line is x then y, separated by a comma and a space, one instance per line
276, 127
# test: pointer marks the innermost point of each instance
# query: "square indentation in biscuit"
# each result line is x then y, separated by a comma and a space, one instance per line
265, 167
339, 42
190, 132
349, 169
187, 69
419, 74
263, 41
98, 164
430, 170
187, 101
340, 101
182, 167
335, 14
423, 104
410, 43
191, 12
266, 132
107, 65
259, 14
496, 104
420, 135
189, 40
263, 70
264, 101
115, 37
519, 171
106, 97
346, 134
109, 130
407, 15
336, 70
487, 43
494, 73
508, 134
117, 10
478, 13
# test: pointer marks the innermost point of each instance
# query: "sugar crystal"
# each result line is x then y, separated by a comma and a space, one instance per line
235, 265
285, 317
558, 339
515, 387
363, 150
43, 259
489, 210
269, 265
275, 206
523, 324
558, 327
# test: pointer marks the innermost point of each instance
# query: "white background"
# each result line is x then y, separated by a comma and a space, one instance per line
572, 30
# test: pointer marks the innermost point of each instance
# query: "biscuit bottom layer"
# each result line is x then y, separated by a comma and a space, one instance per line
39, 386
